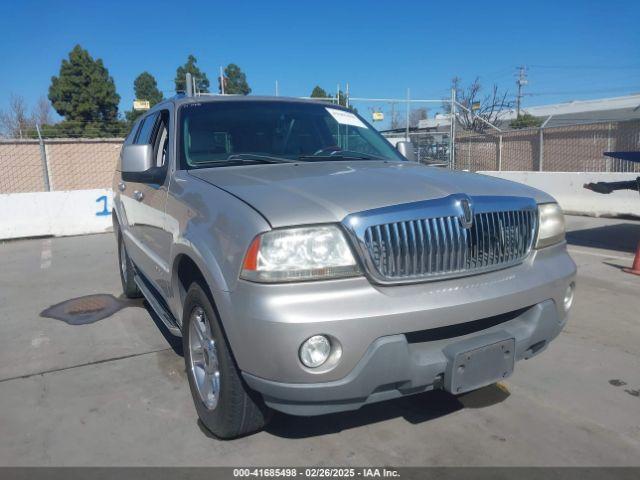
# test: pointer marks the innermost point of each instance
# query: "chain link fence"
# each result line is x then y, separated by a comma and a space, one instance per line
574, 148
57, 164
432, 148
21, 167
80, 163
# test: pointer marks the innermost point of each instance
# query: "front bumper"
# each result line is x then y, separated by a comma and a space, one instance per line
386, 333
393, 367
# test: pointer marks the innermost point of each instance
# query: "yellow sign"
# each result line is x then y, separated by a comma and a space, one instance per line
475, 106
377, 116
141, 105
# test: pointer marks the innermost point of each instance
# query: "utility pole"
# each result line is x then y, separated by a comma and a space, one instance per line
521, 82
393, 115
452, 132
346, 100
407, 115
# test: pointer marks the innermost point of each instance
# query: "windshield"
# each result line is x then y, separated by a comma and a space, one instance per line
236, 132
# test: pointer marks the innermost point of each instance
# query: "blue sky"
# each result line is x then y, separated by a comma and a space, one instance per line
574, 49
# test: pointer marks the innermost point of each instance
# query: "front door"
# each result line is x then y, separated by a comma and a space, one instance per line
145, 206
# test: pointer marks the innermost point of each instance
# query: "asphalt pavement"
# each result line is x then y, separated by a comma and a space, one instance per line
98, 381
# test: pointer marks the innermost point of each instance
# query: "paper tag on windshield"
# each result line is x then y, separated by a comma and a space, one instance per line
345, 118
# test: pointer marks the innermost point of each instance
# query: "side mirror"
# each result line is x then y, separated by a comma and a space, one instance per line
136, 158
407, 150
136, 165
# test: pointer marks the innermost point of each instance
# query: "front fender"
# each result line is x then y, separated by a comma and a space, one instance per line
213, 228
206, 263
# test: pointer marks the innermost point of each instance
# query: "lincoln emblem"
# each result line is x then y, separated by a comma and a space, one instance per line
466, 219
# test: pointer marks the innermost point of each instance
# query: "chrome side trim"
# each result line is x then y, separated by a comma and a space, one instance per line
165, 316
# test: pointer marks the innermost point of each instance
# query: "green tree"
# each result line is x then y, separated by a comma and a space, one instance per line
85, 95
202, 82
145, 87
526, 120
319, 92
236, 80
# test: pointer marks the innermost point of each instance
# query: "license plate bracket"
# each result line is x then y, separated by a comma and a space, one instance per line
480, 366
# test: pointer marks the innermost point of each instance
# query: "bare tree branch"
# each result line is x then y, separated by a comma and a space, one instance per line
15, 122
492, 105
41, 114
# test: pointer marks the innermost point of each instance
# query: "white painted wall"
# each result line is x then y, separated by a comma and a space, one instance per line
567, 188
74, 212
79, 212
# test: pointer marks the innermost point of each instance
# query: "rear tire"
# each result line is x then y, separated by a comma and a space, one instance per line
127, 271
225, 405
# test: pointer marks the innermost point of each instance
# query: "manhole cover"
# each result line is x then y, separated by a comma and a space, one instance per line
84, 310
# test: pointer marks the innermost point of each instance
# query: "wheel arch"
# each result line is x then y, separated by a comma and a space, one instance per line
187, 267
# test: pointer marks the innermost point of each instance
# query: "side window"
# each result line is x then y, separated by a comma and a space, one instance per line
132, 134
161, 139
145, 130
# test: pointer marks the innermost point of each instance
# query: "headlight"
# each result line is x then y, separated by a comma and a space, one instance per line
293, 254
551, 225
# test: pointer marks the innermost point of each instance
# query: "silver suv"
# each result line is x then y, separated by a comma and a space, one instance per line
311, 268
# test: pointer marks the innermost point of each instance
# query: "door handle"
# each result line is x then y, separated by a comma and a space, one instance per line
122, 186
138, 195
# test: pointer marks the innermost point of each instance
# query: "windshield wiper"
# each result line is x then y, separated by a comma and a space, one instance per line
340, 156
244, 159
258, 158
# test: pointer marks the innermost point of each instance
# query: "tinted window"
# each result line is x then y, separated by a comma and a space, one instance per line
212, 131
144, 134
161, 142
132, 133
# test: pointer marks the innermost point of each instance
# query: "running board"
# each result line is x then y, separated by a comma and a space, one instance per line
165, 316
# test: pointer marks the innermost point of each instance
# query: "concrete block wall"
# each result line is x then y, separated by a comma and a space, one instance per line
567, 188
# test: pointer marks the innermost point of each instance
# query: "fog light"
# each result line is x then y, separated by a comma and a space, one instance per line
314, 351
568, 297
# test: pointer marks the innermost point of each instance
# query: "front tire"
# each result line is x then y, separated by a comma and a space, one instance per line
225, 405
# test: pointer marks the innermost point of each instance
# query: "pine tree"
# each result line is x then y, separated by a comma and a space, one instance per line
85, 95
236, 80
202, 82
145, 87
319, 92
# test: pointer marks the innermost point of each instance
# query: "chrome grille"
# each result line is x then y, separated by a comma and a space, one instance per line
439, 246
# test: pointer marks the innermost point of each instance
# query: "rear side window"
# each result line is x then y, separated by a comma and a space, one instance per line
132, 134
146, 129
161, 139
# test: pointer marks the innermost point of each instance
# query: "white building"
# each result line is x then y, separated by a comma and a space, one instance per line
613, 109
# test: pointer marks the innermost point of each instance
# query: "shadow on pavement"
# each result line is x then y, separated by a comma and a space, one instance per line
92, 308
88, 309
621, 237
414, 409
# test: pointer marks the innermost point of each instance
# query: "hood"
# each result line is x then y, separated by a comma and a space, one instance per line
324, 192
